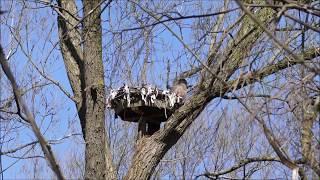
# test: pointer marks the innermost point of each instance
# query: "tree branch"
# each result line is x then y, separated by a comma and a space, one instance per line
46, 148
253, 77
260, 24
239, 165
54, 141
176, 18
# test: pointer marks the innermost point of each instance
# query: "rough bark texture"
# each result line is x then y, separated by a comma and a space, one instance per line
306, 129
72, 54
150, 150
309, 117
94, 91
85, 72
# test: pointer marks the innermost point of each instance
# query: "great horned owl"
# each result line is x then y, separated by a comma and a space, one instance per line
180, 88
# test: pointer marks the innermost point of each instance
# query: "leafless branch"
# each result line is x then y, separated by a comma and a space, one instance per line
260, 24
314, 28
46, 148
239, 165
174, 19
54, 141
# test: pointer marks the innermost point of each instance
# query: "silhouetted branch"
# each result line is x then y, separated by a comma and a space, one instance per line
176, 18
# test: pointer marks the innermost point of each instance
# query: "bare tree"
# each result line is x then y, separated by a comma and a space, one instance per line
251, 111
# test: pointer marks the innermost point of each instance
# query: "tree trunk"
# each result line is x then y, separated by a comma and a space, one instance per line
308, 118
150, 150
95, 167
85, 71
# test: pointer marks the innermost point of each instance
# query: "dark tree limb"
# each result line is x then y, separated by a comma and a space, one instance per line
28, 117
235, 167
176, 18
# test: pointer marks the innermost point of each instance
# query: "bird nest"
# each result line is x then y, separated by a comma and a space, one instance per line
143, 103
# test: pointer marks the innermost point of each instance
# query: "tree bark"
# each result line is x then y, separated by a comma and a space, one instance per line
85, 71
70, 40
309, 117
95, 167
150, 150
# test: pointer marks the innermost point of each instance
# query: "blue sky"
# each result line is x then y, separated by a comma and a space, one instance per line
39, 36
